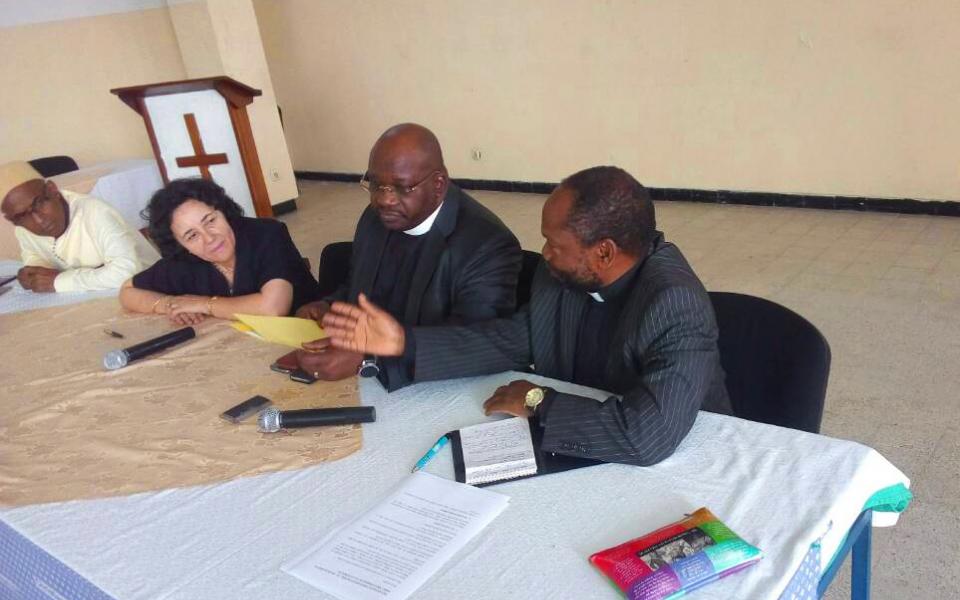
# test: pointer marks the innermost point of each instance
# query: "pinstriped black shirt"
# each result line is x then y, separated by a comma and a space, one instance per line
395, 274
597, 329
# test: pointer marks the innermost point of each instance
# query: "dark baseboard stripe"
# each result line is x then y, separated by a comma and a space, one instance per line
908, 206
887, 205
324, 176
283, 208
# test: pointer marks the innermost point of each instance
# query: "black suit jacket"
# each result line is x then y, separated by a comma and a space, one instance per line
467, 272
663, 361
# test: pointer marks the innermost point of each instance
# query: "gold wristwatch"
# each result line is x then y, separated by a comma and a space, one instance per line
533, 399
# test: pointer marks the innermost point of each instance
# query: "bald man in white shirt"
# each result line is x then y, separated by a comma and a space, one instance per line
69, 242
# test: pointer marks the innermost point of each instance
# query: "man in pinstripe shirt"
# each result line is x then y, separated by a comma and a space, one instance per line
613, 306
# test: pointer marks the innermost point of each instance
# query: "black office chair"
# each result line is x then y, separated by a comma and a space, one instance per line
334, 266
777, 363
50, 166
528, 268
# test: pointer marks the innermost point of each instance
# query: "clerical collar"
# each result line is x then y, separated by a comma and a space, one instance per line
427, 223
618, 287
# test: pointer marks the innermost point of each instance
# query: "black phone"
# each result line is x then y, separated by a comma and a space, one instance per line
286, 364
245, 409
278, 368
302, 376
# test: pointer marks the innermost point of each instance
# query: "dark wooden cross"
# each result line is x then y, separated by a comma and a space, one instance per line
201, 158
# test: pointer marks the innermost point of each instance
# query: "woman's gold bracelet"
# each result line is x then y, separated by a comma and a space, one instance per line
153, 308
210, 305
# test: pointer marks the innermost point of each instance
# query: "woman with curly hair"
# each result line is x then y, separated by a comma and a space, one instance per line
216, 262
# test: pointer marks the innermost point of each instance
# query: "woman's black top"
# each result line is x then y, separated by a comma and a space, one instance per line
264, 251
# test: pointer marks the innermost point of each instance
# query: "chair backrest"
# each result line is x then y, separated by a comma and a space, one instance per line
777, 363
528, 268
334, 266
50, 166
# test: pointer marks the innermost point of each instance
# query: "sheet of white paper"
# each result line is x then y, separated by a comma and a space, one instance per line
497, 450
392, 549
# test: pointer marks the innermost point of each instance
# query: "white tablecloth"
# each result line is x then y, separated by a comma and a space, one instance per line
779, 489
13, 298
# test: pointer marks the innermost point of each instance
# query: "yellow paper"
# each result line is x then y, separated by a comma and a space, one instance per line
242, 328
289, 331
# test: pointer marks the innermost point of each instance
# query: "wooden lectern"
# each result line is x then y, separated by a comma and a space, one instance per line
201, 127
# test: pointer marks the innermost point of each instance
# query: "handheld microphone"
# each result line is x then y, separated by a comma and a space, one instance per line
272, 420
116, 359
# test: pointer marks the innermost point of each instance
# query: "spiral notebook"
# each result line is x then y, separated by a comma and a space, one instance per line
506, 450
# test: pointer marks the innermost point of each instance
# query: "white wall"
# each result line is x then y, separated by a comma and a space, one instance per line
850, 97
56, 78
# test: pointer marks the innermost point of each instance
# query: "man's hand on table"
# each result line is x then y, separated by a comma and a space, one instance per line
366, 329
37, 279
313, 310
510, 399
323, 361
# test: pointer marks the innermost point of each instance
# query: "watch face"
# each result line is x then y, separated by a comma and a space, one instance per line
534, 397
368, 368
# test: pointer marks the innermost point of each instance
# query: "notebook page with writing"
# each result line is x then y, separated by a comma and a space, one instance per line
498, 450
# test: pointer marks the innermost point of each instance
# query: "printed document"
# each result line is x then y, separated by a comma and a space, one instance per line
391, 550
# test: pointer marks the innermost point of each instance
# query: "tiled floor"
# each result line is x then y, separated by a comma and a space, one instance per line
883, 289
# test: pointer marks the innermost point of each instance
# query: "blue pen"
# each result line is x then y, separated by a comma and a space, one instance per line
430, 454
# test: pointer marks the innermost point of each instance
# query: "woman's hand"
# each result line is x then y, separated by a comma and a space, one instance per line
187, 309
188, 304
187, 318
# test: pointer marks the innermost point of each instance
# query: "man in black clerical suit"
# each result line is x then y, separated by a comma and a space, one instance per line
424, 250
613, 306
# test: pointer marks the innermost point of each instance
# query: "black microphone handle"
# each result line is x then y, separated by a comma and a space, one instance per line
157, 344
313, 417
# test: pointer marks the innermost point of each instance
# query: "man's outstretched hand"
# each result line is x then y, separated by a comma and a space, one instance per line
365, 328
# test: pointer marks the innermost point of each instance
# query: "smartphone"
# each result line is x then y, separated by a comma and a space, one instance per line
245, 409
286, 364
302, 376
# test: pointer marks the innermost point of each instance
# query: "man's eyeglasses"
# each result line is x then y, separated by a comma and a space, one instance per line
36, 206
397, 191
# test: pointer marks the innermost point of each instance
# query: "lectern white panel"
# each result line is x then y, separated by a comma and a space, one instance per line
216, 132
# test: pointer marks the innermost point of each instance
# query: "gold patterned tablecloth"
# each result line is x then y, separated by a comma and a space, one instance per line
71, 430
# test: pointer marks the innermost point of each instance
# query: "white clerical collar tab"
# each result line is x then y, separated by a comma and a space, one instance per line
427, 224
596, 296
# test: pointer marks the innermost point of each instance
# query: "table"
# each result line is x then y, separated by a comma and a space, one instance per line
14, 298
780, 489
126, 185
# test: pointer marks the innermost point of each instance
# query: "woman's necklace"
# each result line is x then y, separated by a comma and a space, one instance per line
227, 273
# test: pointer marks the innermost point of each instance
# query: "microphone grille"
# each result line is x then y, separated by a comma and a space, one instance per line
115, 359
269, 421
